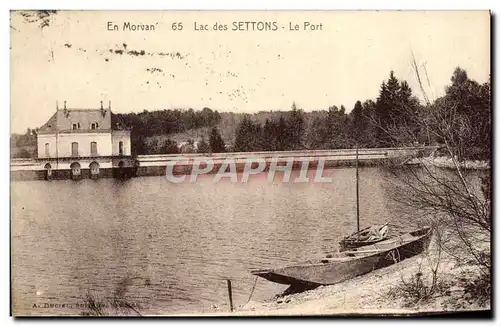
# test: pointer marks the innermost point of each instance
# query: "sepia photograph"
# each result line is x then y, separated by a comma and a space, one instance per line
250, 163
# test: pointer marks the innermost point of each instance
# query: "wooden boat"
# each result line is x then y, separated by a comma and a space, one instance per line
341, 266
364, 237
368, 235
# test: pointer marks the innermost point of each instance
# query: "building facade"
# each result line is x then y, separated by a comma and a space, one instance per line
82, 143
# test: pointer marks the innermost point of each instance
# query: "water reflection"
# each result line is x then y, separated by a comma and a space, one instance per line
176, 243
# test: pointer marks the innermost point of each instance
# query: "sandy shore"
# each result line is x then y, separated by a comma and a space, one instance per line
447, 162
371, 294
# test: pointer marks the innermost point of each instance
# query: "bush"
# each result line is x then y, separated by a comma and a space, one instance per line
418, 288
479, 290
118, 304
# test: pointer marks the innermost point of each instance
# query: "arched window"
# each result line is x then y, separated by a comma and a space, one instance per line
93, 148
48, 171
74, 149
120, 148
94, 168
75, 169
47, 149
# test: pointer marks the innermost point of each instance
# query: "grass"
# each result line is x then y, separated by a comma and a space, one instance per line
116, 305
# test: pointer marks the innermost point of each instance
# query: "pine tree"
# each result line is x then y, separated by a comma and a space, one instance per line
394, 109
203, 146
216, 142
295, 128
269, 137
335, 131
369, 134
248, 136
358, 122
282, 136
467, 106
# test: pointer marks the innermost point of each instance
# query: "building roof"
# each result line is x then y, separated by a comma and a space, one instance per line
66, 120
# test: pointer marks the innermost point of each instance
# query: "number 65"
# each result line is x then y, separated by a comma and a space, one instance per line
177, 26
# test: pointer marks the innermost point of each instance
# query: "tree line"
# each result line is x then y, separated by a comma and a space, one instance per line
162, 122
395, 118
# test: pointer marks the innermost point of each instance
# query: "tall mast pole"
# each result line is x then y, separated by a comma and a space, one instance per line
357, 190
57, 138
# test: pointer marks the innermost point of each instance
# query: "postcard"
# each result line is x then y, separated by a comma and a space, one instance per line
250, 163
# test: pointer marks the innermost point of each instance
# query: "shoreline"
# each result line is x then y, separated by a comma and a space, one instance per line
445, 162
29, 170
370, 294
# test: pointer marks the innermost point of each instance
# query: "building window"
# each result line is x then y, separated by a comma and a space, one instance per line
120, 148
74, 149
93, 148
94, 126
47, 149
75, 169
48, 171
74, 126
94, 168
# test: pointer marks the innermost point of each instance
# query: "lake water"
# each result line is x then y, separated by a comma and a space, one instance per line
172, 246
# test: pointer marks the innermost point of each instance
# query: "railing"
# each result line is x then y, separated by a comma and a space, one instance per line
305, 153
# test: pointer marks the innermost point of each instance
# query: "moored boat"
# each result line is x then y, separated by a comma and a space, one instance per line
368, 235
341, 266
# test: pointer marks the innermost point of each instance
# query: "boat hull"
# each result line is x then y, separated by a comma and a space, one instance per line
320, 273
355, 263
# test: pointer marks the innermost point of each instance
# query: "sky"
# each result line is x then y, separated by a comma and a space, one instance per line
78, 60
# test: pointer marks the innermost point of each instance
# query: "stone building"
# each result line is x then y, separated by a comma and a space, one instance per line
82, 143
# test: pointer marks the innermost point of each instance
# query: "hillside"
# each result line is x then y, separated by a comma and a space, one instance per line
227, 126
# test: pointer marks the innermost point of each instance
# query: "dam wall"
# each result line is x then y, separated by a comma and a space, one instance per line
156, 165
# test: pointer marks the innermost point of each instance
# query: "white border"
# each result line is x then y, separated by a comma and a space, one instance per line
254, 4
178, 5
